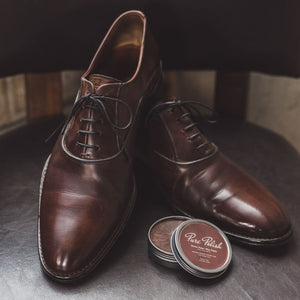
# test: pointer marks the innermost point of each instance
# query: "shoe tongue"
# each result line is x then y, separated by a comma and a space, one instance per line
97, 80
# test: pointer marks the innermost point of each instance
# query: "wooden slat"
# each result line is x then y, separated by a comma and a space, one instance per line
231, 93
43, 94
12, 102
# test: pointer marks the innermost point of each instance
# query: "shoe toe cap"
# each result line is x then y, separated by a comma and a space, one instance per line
238, 204
72, 237
258, 218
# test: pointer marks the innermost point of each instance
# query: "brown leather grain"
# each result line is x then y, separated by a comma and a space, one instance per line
201, 182
88, 192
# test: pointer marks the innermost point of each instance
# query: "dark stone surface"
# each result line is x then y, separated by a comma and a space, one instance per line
127, 272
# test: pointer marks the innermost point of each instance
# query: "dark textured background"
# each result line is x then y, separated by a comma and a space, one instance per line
224, 35
127, 272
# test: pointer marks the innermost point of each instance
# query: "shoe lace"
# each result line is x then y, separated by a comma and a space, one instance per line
189, 105
93, 101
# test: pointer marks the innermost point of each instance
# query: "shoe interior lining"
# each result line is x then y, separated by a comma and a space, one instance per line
120, 54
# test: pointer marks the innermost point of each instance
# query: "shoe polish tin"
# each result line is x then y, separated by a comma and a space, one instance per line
201, 248
159, 240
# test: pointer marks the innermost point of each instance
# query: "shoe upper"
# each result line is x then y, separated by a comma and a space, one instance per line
201, 182
87, 188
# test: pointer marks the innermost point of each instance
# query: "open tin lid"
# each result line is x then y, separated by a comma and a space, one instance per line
159, 237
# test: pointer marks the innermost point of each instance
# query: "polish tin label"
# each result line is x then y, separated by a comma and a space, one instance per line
201, 248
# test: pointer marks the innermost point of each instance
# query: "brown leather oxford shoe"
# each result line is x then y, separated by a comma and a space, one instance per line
88, 188
201, 182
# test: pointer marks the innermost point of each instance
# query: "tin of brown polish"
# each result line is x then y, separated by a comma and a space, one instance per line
201, 248
159, 240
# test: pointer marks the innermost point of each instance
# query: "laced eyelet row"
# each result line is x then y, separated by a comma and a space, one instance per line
194, 136
172, 104
202, 145
81, 131
183, 116
95, 147
189, 127
93, 101
89, 132
91, 120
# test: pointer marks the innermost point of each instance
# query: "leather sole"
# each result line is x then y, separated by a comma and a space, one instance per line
101, 254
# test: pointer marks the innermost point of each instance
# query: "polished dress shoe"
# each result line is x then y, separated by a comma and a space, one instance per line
87, 189
199, 181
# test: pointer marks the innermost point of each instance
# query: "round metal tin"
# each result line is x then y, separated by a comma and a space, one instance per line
201, 248
159, 240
